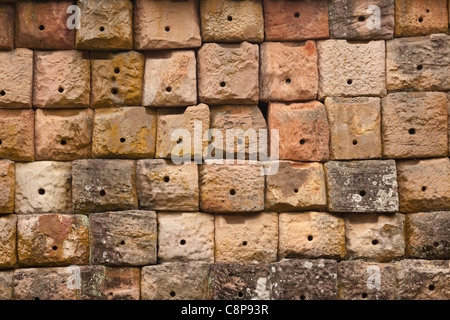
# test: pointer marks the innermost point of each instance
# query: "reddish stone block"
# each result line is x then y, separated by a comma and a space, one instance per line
6, 27
7, 183
17, 134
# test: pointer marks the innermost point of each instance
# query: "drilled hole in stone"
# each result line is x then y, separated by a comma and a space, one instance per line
41, 27
114, 91
424, 188
297, 14
167, 29
239, 141
355, 142
122, 140
436, 244
230, 18
374, 242
288, 80
412, 131
428, 10
361, 18
63, 142
110, 293
419, 67
122, 242
362, 193
310, 238
431, 287
232, 192
364, 295
102, 29
302, 297
240, 294
172, 293
420, 19
295, 190
102, 193
54, 248
2, 92
244, 243
302, 141
223, 84
166, 179
61, 89
349, 81
116, 70
183, 242
41, 191
168, 89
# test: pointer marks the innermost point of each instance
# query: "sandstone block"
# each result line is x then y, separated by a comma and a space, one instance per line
43, 187
362, 186
127, 132
17, 134
355, 127
52, 240
104, 185
125, 238
303, 130
6, 27
165, 186
166, 24
6, 285
63, 134
185, 237
8, 258
351, 69
61, 79
423, 185
7, 184
228, 73
448, 120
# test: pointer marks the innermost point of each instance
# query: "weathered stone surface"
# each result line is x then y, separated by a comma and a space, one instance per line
52, 240
233, 281
63, 134
6, 27
427, 235
232, 21
304, 280
104, 185
359, 20
166, 24
419, 63
295, 20
423, 280
231, 187
16, 77
423, 185
170, 79
7, 183
117, 79
420, 17
448, 119
351, 69
175, 281
43, 187
311, 235
355, 127
127, 132
61, 79
6, 285
375, 236
228, 73
360, 280
17, 134
185, 237
414, 125
303, 130
288, 71
172, 119
362, 186
163, 185
105, 25
126, 238
246, 239
8, 257
43, 25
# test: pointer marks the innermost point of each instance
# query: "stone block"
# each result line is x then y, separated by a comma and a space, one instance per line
6, 27
7, 186
8, 258
448, 120
6, 285
17, 134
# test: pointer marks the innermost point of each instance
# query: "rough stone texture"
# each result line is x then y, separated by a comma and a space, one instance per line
127, 132
17, 134
423, 185
232, 21
357, 20
126, 238
296, 186
104, 185
362, 186
420, 17
6, 27
166, 24
8, 258
175, 281
427, 235
246, 239
165, 186
419, 63
355, 128
360, 280
448, 117
6, 285
52, 240
185, 237
351, 69
117, 79
105, 25
288, 71
228, 73
231, 187
423, 280
43, 187
375, 236
61, 79
295, 20
63, 134
43, 25
303, 130
170, 79
414, 125
16, 77
311, 235
304, 280
7, 185
233, 281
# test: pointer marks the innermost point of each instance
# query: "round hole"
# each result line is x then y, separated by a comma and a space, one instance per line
102, 29
110, 293
364, 295
244, 243
230, 18
122, 242
362, 193
116, 70
302, 141
297, 14
41, 27
302, 297
2, 92
419, 67
102, 193
183, 242
240, 294
61, 89
436, 244
412, 131
310, 238
349, 81
114, 91
172, 293
54, 248
424, 188
167, 29
168, 89
374, 242
41, 191
431, 287
63, 142
361, 18
232, 192
420, 19
223, 84
295, 190
288, 80
239, 141
428, 10
122, 140
355, 142
166, 179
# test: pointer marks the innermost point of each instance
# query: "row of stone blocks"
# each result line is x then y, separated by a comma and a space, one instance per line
319, 279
